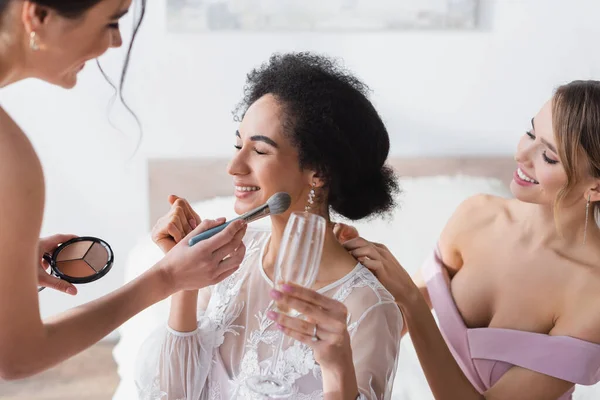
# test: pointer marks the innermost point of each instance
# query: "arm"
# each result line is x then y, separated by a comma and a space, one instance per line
445, 378
170, 230
176, 361
28, 345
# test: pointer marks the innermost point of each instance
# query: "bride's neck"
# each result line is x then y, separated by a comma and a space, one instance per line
335, 261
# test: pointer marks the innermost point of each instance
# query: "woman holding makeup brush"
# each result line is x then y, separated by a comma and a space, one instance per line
52, 40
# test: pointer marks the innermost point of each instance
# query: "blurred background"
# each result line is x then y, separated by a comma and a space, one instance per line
449, 77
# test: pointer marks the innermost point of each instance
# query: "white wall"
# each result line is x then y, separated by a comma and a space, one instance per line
439, 92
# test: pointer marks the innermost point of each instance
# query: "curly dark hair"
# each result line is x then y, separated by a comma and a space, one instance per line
334, 127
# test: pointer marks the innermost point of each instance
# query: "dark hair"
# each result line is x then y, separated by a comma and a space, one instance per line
576, 122
66, 8
334, 127
75, 9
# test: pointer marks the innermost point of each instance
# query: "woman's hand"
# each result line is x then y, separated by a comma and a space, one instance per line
47, 246
176, 224
324, 329
385, 267
204, 264
344, 232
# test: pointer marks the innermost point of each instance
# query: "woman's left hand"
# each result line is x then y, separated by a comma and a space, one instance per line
324, 329
380, 260
47, 246
344, 232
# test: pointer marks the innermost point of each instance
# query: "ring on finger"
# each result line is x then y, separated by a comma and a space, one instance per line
314, 337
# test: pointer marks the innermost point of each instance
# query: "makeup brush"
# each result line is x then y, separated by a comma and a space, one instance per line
277, 204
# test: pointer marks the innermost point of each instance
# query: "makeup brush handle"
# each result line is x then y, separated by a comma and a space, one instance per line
208, 233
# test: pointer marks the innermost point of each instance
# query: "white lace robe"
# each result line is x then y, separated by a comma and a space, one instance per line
235, 339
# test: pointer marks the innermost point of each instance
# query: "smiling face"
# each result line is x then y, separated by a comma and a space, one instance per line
540, 176
265, 161
66, 44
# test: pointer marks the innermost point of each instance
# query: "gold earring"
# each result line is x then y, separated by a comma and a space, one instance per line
311, 198
33, 41
587, 211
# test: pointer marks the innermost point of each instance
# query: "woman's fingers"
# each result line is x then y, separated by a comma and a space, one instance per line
224, 237
234, 260
190, 217
49, 281
183, 223
374, 266
197, 220
231, 246
302, 338
356, 243
367, 251
231, 264
310, 296
325, 330
331, 316
344, 232
175, 231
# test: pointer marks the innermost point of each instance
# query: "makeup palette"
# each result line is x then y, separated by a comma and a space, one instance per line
81, 260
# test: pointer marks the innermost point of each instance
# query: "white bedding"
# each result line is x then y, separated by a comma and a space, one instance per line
424, 207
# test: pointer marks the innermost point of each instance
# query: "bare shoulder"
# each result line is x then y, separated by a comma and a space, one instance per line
476, 212
21, 177
16, 147
471, 218
585, 325
580, 318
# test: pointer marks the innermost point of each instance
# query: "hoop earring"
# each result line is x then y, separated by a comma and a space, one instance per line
587, 211
33, 41
311, 199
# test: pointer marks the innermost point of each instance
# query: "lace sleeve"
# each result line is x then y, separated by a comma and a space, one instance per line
175, 365
375, 347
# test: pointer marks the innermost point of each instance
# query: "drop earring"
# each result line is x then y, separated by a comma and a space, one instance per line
587, 212
311, 199
33, 41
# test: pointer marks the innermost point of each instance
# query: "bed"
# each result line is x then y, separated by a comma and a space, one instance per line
432, 188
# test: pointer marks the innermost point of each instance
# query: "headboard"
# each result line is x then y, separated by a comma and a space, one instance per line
199, 179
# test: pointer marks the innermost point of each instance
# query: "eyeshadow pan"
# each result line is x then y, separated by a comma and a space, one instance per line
74, 251
75, 268
97, 257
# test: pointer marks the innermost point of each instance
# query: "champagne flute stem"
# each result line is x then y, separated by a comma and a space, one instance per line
276, 354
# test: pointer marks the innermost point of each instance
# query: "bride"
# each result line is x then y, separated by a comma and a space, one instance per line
307, 129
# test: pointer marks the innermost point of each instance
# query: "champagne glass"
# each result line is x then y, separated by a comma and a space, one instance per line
297, 262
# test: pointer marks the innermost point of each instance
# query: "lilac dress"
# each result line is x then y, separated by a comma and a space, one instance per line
485, 354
